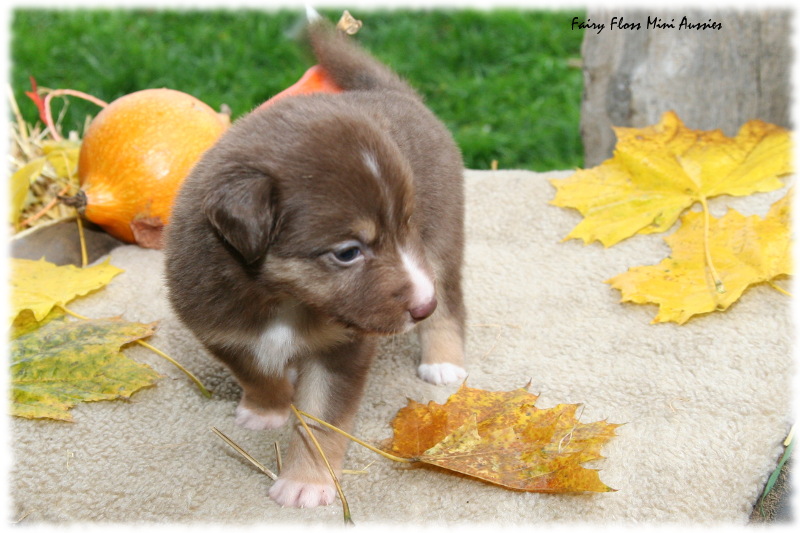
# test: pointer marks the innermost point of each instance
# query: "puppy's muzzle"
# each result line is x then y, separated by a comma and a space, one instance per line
421, 312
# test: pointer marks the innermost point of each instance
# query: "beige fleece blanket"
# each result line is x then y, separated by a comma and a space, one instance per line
705, 405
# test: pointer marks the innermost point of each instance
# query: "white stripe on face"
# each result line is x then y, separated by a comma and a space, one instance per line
371, 162
423, 289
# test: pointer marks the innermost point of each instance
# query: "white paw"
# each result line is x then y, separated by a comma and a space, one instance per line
266, 419
441, 373
289, 493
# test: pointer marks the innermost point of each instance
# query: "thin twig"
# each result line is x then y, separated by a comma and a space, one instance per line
278, 459
244, 454
64, 92
24, 516
22, 127
52, 203
191, 376
82, 238
362, 471
155, 350
359, 441
345, 507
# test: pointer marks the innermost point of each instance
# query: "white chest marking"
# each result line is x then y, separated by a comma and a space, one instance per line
277, 344
287, 336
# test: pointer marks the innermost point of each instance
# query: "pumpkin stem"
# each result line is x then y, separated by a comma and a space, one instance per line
78, 201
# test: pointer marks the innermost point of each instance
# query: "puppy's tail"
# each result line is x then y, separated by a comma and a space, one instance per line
350, 66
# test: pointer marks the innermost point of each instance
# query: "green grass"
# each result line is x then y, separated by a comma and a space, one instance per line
501, 80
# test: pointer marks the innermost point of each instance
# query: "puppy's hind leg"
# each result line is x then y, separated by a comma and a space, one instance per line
441, 337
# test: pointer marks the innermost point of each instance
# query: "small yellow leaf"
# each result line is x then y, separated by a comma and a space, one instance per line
20, 184
63, 157
39, 285
659, 171
745, 250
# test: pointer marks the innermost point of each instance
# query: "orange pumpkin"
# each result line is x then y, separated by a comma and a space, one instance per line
139, 149
315, 80
135, 155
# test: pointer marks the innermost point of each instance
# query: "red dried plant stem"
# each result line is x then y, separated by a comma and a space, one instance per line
65, 92
33, 218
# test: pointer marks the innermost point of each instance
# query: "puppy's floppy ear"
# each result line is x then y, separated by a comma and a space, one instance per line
243, 211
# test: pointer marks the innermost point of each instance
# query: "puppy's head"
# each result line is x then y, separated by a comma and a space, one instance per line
319, 202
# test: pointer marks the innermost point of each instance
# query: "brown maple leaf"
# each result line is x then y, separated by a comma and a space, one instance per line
502, 438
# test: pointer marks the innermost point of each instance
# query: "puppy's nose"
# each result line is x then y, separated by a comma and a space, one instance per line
421, 312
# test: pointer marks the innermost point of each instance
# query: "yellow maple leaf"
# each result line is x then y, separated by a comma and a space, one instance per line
746, 250
502, 438
659, 171
38, 286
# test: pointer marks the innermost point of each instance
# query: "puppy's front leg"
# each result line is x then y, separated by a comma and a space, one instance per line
265, 397
442, 340
329, 386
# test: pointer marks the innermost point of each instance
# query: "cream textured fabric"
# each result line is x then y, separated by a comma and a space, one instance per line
705, 405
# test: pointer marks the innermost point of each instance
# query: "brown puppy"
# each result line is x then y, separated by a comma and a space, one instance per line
309, 229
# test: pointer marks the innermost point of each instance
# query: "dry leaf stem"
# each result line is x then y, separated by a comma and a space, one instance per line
278, 458
82, 238
706, 224
244, 454
779, 289
48, 115
50, 205
197, 382
358, 441
345, 506
155, 350
21, 126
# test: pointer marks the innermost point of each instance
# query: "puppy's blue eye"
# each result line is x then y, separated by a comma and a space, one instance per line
348, 254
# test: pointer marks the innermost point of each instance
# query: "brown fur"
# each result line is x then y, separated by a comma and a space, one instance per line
260, 227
